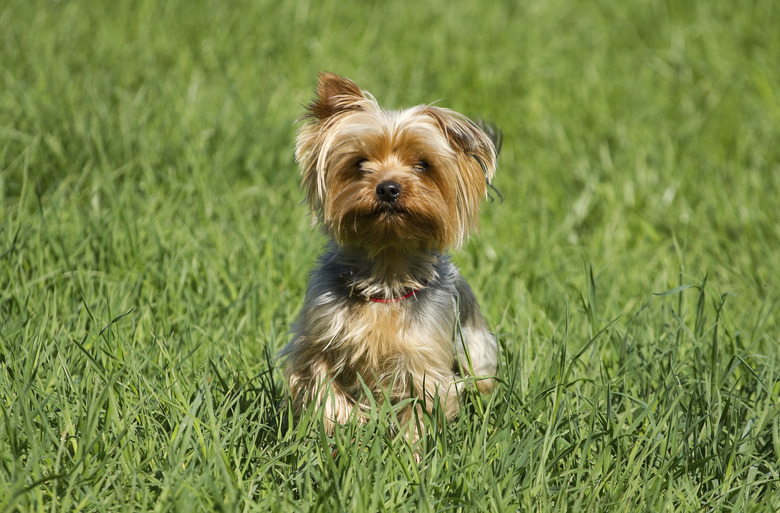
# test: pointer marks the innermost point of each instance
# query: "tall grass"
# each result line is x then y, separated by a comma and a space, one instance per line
153, 252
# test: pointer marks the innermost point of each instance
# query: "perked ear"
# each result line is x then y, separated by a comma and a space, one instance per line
335, 94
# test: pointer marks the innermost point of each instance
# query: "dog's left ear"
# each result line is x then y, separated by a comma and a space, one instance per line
468, 137
335, 94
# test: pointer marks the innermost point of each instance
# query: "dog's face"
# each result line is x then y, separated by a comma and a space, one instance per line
376, 179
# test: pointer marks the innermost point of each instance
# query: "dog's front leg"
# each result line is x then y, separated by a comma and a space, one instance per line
317, 387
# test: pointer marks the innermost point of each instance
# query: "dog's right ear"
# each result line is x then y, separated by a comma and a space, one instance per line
335, 94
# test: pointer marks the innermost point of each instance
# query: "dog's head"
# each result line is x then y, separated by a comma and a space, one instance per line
376, 179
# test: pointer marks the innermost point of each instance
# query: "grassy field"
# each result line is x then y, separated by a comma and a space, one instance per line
154, 250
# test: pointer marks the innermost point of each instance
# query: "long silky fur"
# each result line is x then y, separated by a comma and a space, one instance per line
386, 313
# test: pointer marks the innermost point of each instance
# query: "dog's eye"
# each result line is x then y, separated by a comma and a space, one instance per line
421, 165
360, 163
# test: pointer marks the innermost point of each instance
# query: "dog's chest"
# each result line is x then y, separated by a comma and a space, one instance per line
388, 331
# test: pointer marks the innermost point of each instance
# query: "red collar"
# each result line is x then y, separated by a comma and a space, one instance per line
375, 299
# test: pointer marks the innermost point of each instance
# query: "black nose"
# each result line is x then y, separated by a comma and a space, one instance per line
388, 191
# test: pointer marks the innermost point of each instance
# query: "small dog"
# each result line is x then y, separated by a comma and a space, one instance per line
386, 313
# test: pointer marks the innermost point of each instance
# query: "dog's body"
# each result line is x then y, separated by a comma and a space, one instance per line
386, 312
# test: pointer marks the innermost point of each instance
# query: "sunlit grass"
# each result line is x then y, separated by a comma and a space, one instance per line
154, 251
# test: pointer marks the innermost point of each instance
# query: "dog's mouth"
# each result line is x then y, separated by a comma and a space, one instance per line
385, 218
388, 224
389, 209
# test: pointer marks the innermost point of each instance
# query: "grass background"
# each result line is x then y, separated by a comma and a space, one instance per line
153, 252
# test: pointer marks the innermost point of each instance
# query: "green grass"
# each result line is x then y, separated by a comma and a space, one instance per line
154, 250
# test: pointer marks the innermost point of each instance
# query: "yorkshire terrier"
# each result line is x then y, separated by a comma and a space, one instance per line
386, 313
